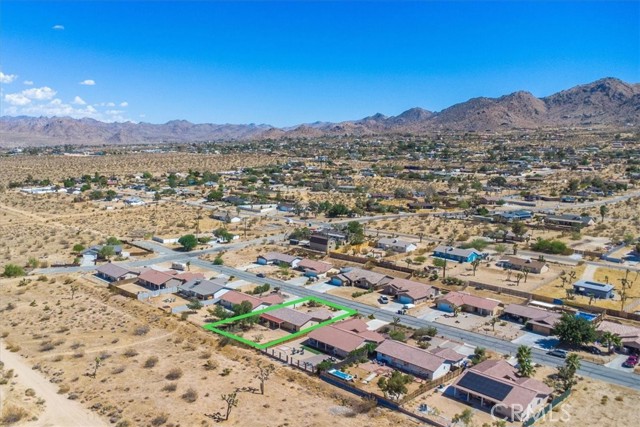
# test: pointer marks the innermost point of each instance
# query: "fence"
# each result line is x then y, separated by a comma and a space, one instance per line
607, 256
283, 357
429, 385
362, 260
142, 296
380, 400
555, 402
205, 303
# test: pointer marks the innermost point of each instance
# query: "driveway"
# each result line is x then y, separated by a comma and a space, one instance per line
616, 364
392, 306
322, 287
536, 340
298, 281
429, 314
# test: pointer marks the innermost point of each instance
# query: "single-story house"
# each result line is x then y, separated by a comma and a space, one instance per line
155, 279
456, 254
412, 360
342, 338
469, 303
313, 268
361, 278
450, 356
513, 216
535, 319
521, 264
629, 335
396, 245
203, 289
278, 258
569, 220
495, 385
287, 319
598, 290
113, 272
231, 298
410, 292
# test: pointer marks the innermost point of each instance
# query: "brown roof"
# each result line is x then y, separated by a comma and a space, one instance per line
415, 290
370, 276
347, 335
190, 276
317, 266
630, 335
462, 298
520, 391
521, 262
155, 277
235, 297
288, 315
113, 270
272, 299
448, 354
411, 355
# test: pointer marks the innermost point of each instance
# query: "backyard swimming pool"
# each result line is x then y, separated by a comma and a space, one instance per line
588, 316
341, 375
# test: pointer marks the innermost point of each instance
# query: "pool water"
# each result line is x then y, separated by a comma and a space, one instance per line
588, 316
341, 375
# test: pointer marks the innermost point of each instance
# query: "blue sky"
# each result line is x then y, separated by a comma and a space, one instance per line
285, 63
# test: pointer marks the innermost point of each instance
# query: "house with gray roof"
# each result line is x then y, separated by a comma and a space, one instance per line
278, 258
396, 245
412, 360
361, 278
203, 289
113, 272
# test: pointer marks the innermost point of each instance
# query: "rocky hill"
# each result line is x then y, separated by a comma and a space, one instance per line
607, 101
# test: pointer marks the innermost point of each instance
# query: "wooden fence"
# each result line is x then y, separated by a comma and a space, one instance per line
429, 385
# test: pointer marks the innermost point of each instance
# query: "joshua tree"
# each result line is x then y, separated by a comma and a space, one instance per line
395, 322
519, 277
564, 278
515, 249
474, 265
264, 371
456, 310
572, 276
98, 361
231, 400
74, 288
439, 262
603, 212
525, 272
493, 322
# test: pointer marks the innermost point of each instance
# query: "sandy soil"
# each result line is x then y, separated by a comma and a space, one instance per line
62, 338
59, 411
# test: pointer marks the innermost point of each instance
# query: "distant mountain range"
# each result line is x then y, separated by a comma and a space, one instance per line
607, 101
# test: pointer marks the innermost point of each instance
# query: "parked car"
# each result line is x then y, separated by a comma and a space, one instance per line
261, 275
630, 362
383, 299
592, 349
558, 353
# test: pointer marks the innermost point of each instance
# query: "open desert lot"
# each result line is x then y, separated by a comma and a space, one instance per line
61, 338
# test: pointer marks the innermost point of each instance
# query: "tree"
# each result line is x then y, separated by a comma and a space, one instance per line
519, 229
519, 277
500, 248
440, 262
525, 273
566, 374
525, 363
188, 242
73, 288
113, 241
97, 362
195, 304
215, 196
106, 252
77, 248
493, 322
465, 417
574, 330
475, 264
218, 260
610, 340
395, 322
264, 372
13, 270
456, 310
603, 212
231, 400
396, 385
479, 354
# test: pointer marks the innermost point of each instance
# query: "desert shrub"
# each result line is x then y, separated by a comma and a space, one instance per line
159, 420
12, 270
170, 387
174, 374
141, 330
190, 395
13, 414
210, 365
63, 388
118, 370
151, 362
30, 392
131, 352
46, 346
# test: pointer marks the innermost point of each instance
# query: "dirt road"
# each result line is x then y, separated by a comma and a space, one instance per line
59, 411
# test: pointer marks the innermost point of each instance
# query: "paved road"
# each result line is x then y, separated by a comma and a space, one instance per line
592, 370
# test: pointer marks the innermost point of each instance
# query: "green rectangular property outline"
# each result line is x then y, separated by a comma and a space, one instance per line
212, 326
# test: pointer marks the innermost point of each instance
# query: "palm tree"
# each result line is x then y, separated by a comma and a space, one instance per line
572, 362
603, 212
610, 340
525, 365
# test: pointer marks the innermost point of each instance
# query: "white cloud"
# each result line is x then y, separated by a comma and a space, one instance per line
88, 82
40, 93
7, 78
28, 82
79, 101
58, 27
26, 96
16, 99
124, 104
